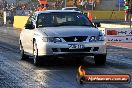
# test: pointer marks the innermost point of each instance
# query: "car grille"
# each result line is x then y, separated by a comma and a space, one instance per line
75, 38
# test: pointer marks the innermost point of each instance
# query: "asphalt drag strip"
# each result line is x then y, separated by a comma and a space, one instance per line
58, 73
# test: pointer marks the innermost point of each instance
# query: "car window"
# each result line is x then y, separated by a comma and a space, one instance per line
62, 19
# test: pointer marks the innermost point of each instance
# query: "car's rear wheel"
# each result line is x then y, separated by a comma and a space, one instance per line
100, 59
36, 59
23, 55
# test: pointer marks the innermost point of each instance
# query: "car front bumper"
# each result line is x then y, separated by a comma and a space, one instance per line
58, 49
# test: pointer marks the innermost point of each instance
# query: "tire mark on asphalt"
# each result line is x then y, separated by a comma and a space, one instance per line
32, 74
51, 75
8, 46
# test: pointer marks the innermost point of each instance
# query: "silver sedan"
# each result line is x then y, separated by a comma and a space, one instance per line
60, 33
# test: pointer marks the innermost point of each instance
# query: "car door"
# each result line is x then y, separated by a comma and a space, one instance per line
27, 36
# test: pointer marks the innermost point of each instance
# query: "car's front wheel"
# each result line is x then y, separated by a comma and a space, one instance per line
36, 59
23, 55
100, 59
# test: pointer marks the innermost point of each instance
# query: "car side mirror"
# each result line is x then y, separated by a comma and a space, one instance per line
97, 24
29, 26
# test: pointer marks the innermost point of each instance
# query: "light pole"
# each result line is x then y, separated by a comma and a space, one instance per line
119, 5
65, 3
4, 12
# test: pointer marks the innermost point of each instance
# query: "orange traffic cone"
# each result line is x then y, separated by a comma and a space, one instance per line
89, 14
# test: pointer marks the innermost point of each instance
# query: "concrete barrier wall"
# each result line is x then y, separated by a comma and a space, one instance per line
20, 21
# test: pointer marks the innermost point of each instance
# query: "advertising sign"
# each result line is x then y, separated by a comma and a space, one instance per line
119, 34
83, 78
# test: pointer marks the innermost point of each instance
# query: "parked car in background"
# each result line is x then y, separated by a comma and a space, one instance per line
71, 8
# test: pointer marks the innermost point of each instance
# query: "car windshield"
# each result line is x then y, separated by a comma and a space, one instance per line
56, 19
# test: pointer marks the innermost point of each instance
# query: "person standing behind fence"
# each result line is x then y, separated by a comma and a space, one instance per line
57, 4
62, 4
126, 11
86, 5
42, 7
82, 5
34, 8
39, 8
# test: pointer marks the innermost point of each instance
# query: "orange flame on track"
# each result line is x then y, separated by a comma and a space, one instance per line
81, 71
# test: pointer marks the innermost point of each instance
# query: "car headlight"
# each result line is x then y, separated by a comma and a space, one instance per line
101, 38
51, 39
57, 40
92, 39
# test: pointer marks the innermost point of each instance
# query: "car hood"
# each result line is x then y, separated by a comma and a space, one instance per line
69, 31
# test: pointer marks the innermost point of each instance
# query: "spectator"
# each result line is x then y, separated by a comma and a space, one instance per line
75, 3
43, 7
82, 5
4, 5
62, 4
34, 8
86, 5
57, 4
39, 8
126, 11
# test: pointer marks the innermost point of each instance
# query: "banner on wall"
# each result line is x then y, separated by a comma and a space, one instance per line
43, 1
118, 34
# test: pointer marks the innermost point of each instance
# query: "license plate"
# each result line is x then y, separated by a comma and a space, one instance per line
75, 46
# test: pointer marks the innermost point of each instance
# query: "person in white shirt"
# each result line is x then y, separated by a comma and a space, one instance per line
82, 5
